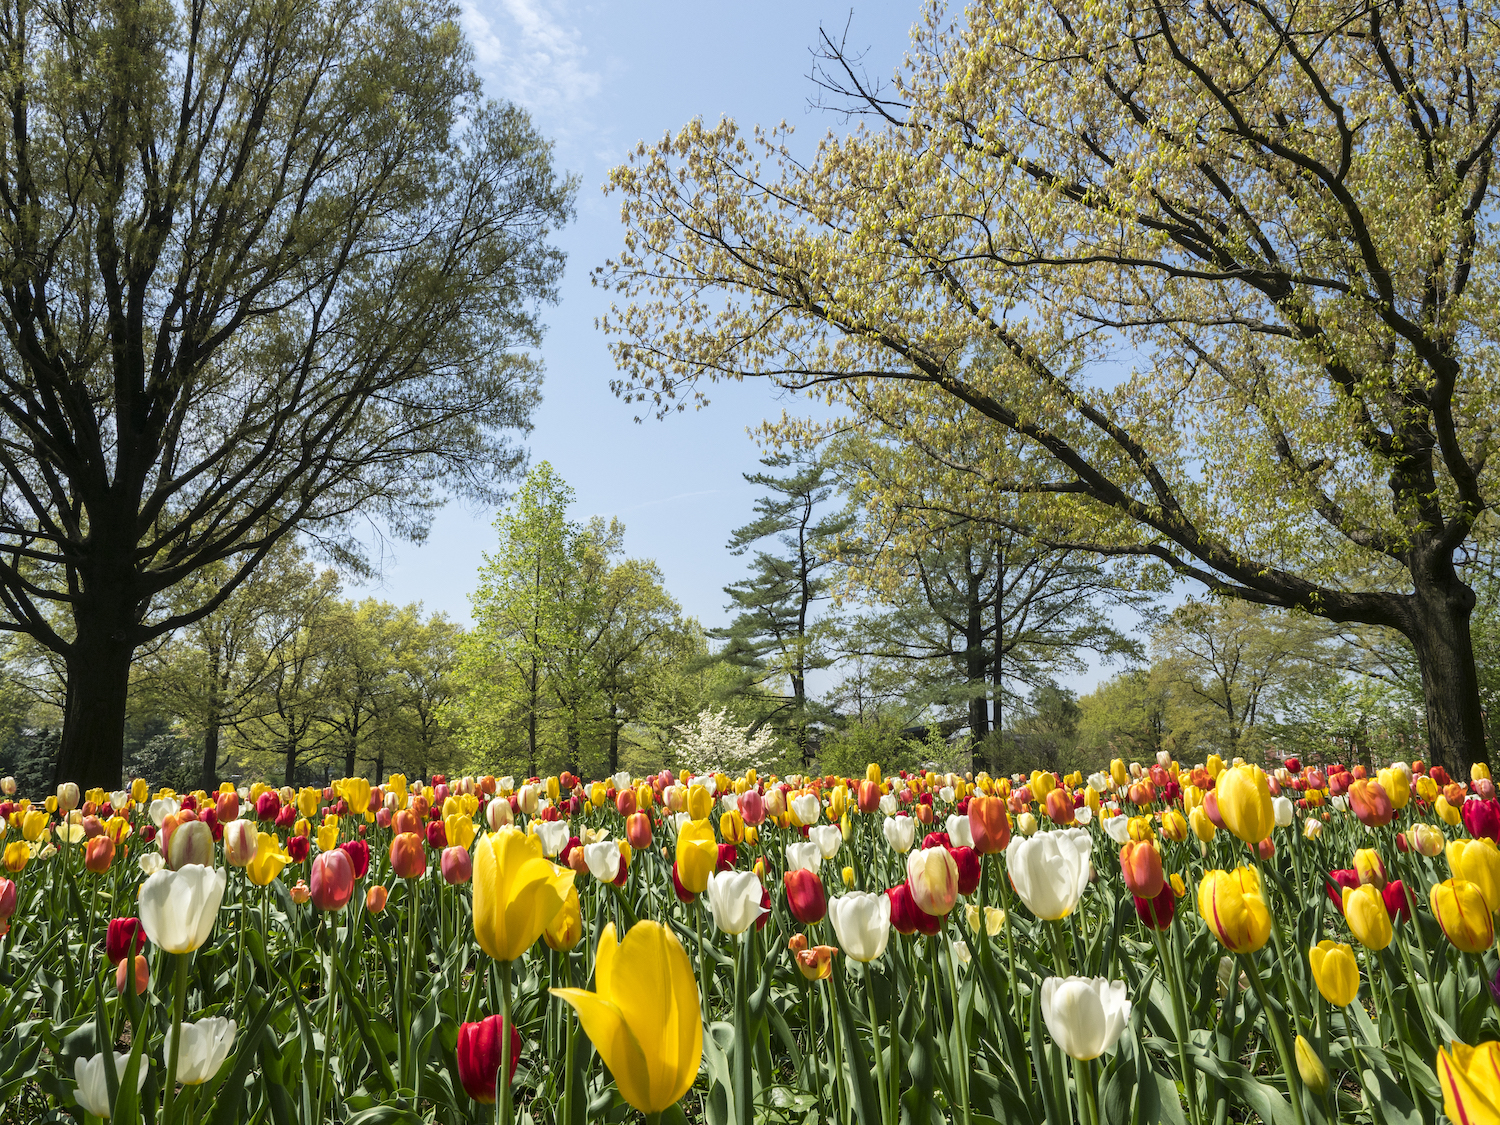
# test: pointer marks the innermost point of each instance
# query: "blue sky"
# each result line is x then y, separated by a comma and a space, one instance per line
598, 78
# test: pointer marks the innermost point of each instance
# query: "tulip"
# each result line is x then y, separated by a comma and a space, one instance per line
700, 802
862, 924
481, 1046
1310, 1068
240, 839
900, 833
331, 880
408, 855
643, 1016
1202, 826
132, 972
99, 854
93, 1088
1231, 903
67, 797
1245, 803
1426, 839
1464, 914
1368, 919
989, 825
565, 931
932, 874
1084, 1015
203, 1048
1397, 785
268, 860
734, 899
1470, 1078
815, 963
517, 893
1050, 871
376, 898
178, 908
828, 839
805, 897
697, 855
1284, 811
805, 808
1140, 863
124, 938
1157, 912
1369, 802
1370, 868
602, 860
1335, 972
638, 830
1477, 862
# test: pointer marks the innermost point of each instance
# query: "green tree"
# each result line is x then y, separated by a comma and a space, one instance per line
777, 635
1236, 313
269, 270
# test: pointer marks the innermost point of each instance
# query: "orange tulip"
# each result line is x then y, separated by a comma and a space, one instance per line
408, 855
99, 854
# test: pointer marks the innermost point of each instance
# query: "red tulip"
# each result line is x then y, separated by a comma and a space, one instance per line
479, 1050
359, 855
805, 897
906, 915
1369, 801
967, 860
125, 936
437, 835
297, 847
638, 830
227, 807
1482, 819
1337, 881
1397, 905
682, 893
728, 856
1157, 912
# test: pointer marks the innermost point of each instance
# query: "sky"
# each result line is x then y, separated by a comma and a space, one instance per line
598, 78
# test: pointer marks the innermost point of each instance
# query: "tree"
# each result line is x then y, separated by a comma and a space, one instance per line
1239, 659
1228, 267
776, 637
1127, 716
267, 271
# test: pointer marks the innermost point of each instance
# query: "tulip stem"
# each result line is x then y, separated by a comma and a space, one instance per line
503, 1112
960, 1060
179, 1002
1278, 1038
1179, 1016
875, 1044
404, 1024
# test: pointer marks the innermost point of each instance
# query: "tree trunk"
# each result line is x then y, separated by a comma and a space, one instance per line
614, 738
93, 735
1438, 628
207, 775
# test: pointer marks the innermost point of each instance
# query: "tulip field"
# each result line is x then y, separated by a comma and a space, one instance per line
1160, 943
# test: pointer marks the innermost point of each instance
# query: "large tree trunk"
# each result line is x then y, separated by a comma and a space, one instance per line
93, 735
1438, 628
210, 767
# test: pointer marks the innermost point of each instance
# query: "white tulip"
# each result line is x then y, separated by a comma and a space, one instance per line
804, 855
730, 802
1117, 828
806, 808
528, 797
120, 799
1283, 809
1083, 816
889, 804
960, 835
862, 924
177, 908
506, 784
900, 833
553, 834
621, 780
1164, 759
93, 1090
734, 898
709, 782
1342, 803
961, 953
1085, 1015
946, 794
602, 860
151, 862
679, 819
828, 838
1026, 824
160, 809
1050, 871
1099, 783
203, 1048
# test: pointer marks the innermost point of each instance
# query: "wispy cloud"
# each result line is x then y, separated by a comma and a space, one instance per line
531, 52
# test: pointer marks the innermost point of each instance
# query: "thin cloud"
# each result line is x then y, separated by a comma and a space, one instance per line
531, 53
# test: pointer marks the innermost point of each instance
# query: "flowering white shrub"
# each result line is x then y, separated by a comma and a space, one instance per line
717, 742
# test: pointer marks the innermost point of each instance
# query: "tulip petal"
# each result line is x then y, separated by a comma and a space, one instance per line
606, 1028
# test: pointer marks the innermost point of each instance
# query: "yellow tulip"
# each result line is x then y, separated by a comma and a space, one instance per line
1173, 826
1427, 789
697, 855
356, 794
1477, 862
1214, 765
564, 931
308, 801
17, 854
700, 802
872, 773
268, 860
1479, 772
732, 828
1369, 921
1231, 903
1397, 787
517, 893
643, 1015
1447, 812
1202, 827
459, 829
596, 794
1470, 1077
1245, 803
33, 824
1464, 914
1119, 774
139, 790
554, 789
1335, 971
1310, 1067
328, 837
1369, 867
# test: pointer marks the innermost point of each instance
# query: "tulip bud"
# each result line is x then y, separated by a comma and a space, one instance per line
804, 896
136, 970
480, 1049
1140, 863
408, 856
300, 893
456, 864
332, 880
191, 842
376, 898
1311, 1069
99, 854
